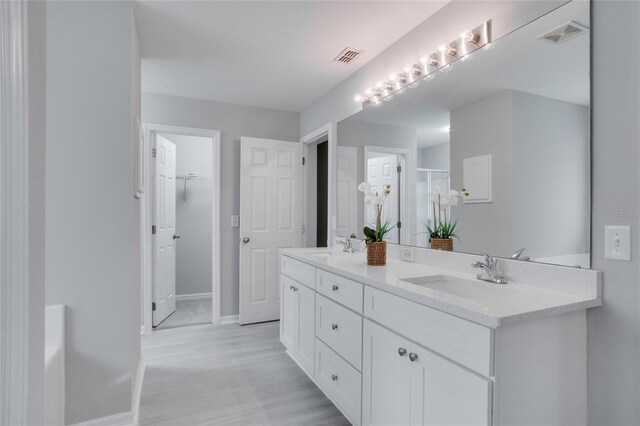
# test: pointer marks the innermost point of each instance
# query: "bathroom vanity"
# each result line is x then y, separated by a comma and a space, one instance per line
415, 343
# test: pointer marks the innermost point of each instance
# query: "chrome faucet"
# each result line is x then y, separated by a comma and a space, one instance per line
518, 256
348, 243
489, 270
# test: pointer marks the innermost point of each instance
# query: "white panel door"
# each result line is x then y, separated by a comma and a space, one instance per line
347, 190
270, 218
382, 171
164, 255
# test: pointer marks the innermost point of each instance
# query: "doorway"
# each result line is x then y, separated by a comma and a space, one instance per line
181, 228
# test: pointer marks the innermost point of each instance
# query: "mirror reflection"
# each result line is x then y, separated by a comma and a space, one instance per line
501, 140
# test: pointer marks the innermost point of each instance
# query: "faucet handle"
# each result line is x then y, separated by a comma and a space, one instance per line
491, 261
353, 235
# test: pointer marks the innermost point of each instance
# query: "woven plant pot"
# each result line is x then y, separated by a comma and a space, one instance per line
442, 244
377, 253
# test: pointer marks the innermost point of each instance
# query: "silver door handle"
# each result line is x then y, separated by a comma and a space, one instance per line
334, 326
334, 377
413, 356
245, 240
176, 236
334, 287
402, 351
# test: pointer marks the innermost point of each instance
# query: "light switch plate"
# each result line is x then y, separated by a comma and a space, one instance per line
617, 242
235, 221
407, 254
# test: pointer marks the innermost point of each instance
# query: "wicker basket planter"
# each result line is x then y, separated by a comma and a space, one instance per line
377, 253
442, 244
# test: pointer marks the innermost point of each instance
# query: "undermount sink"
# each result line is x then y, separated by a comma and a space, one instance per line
459, 286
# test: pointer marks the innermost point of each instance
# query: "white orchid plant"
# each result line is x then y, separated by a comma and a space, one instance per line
441, 203
376, 199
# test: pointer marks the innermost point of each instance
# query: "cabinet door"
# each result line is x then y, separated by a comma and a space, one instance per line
386, 377
305, 336
288, 318
443, 393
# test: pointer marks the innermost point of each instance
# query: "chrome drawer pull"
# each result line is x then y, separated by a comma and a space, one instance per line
334, 287
413, 356
334, 326
402, 351
334, 377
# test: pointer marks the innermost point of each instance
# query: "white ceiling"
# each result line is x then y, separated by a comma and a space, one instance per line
274, 54
518, 61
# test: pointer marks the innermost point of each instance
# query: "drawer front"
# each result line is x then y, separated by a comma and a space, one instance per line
299, 271
339, 381
342, 290
340, 329
457, 339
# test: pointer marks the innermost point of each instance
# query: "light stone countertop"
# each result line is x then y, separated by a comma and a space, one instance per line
507, 303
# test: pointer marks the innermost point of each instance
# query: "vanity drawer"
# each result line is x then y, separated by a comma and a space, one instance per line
460, 340
340, 329
299, 271
340, 382
342, 290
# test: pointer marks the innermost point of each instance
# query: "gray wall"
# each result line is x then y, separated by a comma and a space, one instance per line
37, 57
194, 213
91, 250
551, 182
435, 157
540, 150
233, 121
613, 330
359, 134
486, 227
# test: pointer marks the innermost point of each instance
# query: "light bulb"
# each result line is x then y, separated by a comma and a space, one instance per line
358, 98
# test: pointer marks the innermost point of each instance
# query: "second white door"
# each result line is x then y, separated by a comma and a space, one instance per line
382, 171
270, 218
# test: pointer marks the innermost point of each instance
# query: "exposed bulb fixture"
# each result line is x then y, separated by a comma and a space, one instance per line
473, 38
451, 51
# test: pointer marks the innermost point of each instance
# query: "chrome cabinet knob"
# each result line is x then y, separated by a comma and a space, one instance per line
334, 377
334, 326
334, 287
402, 351
245, 240
413, 356
176, 236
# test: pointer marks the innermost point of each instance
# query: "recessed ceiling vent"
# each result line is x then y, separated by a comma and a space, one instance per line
564, 32
348, 55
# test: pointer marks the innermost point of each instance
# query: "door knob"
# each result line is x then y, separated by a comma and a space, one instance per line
176, 236
334, 377
413, 356
334, 287
245, 240
402, 351
334, 326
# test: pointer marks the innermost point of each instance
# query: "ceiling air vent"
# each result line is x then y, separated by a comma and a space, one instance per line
347, 55
563, 33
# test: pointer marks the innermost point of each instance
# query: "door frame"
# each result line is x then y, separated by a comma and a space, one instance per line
146, 218
407, 187
16, 319
328, 131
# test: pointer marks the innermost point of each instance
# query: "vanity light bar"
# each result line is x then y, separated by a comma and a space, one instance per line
441, 60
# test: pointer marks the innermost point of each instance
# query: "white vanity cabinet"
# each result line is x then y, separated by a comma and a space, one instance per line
298, 318
385, 359
406, 384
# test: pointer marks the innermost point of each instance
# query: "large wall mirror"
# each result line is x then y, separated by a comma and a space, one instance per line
510, 125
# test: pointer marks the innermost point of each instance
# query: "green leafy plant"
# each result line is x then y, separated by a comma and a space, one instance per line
444, 227
378, 231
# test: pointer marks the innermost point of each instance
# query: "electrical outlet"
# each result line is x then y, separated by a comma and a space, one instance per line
407, 254
617, 242
235, 221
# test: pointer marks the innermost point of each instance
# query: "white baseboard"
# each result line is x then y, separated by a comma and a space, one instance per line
193, 296
121, 419
137, 391
229, 319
